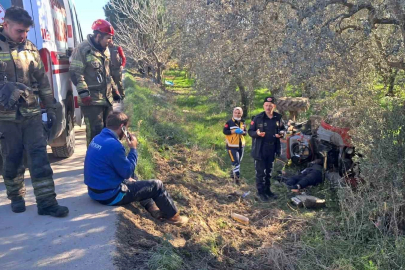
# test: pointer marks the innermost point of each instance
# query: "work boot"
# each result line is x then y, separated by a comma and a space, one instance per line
177, 220
54, 210
237, 180
270, 194
18, 206
231, 175
154, 211
263, 197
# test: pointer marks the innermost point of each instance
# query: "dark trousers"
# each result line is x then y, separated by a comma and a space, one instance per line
304, 180
263, 169
117, 77
236, 155
26, 134
147, 193
95, 117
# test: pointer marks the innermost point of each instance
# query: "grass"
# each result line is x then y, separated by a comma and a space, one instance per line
165, 258
181, 140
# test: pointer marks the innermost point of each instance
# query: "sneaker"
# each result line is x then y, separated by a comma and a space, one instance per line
263, 197
18, 206
54, 210
154, 211
270, 194
177, 220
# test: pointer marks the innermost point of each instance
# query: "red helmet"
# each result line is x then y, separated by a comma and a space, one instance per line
103, 26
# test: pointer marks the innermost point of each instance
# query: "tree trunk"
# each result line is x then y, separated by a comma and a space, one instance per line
159, 73
243, 97
391, 82
158, 77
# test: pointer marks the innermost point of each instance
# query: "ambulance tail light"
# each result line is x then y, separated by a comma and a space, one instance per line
76, 103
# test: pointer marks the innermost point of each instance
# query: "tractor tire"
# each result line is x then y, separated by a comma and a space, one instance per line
292, 104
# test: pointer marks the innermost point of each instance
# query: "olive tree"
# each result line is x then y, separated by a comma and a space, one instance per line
320, 46
142, 29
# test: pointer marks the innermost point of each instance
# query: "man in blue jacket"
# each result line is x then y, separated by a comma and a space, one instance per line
108, 173
265, 132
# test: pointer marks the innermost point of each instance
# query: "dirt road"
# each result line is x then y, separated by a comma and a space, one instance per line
82, 240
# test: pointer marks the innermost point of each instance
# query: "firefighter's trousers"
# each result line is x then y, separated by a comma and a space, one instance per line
26, 135
95, 117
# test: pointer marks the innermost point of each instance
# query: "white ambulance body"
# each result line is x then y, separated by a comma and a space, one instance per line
55, 33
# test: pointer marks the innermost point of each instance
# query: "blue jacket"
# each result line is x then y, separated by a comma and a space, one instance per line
106, 166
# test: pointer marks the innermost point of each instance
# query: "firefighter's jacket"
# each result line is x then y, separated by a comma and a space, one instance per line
234, 140
90, 71
21, 62
117, 57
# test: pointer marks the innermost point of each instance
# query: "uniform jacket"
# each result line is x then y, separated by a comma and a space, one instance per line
118, 58
90, 71
234, 140
23, 64
106, 166
257, 141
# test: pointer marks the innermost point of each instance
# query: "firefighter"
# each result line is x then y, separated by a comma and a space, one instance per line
264, 130
234, 131
90, 71
118, 61
21, 127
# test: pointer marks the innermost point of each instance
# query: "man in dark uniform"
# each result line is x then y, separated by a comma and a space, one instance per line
264, 130
20, 116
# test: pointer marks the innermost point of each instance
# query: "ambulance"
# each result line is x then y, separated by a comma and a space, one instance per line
56, 33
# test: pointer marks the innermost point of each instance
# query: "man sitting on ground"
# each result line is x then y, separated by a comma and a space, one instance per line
108, 172
311, 176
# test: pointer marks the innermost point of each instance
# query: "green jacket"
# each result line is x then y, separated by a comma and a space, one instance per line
23, 64
90, 72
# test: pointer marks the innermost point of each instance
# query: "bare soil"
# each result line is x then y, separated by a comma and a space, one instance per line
211, 240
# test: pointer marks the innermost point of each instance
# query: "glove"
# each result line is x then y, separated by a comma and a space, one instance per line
87, 100
85, 97
10, 94
278, 153
239, 131
51, 118
116, 96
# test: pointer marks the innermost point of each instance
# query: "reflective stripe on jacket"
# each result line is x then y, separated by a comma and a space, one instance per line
234, 140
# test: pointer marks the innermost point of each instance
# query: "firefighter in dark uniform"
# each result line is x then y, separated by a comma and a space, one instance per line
264, 130
22, 81
118, 61
235, 130
90, 71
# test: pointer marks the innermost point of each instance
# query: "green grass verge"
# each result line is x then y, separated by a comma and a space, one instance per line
189, 119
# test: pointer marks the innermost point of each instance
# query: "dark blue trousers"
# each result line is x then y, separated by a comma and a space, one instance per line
236, 155
263, 169
147, 193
